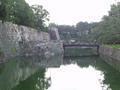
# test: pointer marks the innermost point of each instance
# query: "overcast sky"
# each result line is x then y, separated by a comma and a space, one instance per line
72, 11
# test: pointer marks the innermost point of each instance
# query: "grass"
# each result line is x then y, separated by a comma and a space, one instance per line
117, 46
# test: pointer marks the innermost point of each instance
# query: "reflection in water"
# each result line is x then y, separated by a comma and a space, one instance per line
72, 77
14, 71
35, 82
80, 51
111, 76
35, 73
19, 69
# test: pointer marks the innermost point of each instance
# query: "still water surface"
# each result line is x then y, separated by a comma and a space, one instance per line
83, 73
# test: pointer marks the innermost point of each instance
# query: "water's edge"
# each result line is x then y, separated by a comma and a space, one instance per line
111, 56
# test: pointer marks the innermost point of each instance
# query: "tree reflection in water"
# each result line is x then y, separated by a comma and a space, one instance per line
29, 73
111, 75
35, 82
19, 70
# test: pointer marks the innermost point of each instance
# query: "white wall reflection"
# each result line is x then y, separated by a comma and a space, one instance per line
72, 77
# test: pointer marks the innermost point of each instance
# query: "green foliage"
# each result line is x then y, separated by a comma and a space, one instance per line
82, 26
6, 7
108, 30
80, 32
23, 14
84, 29
19, 12
67, 32
41, 16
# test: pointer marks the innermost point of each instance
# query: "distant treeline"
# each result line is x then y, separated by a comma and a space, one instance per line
107, 31
78, 33
19, 12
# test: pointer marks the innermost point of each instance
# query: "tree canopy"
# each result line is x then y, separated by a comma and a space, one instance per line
108, 30
40, 16
78, 32
19, 12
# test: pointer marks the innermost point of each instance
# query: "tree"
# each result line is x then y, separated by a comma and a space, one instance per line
23, 14
41, 16
67, 32
6, 10
84, 29
108, 30
19, 12
16, 11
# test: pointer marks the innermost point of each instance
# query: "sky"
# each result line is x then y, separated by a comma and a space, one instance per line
70, 12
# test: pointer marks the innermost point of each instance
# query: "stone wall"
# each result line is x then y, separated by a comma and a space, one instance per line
54, 34
20, 40
111, 56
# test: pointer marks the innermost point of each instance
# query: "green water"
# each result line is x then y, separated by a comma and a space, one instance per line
56, 73
77, 51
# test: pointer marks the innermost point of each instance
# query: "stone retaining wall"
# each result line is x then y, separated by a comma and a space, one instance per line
111, 56
18, 40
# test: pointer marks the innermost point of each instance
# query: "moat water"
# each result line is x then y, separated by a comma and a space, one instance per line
56, 73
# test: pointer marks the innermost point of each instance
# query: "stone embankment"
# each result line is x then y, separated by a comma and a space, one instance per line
18, 40
110, 55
